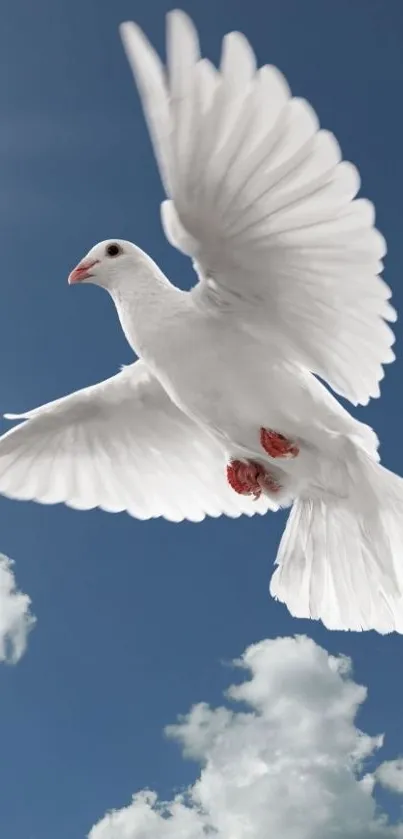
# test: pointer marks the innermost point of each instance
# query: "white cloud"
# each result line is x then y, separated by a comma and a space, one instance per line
390, 775
16, 620
290, 763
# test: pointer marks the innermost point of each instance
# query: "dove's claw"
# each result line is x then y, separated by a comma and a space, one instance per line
250, 478
276, 445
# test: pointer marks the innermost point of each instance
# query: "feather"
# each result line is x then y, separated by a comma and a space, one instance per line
256, 184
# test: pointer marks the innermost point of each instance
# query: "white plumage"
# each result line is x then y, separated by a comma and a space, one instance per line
288, 263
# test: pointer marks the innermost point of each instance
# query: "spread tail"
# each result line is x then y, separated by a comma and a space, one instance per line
341, 560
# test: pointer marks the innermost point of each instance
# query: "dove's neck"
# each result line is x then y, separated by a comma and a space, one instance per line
147, 305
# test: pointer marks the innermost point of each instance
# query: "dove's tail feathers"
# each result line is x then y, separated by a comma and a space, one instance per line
341, 560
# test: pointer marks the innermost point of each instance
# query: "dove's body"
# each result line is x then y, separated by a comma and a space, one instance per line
288, 264
222, 378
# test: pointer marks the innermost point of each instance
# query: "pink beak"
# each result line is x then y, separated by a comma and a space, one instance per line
82, 272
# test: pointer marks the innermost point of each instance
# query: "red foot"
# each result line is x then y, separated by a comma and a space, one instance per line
276, 445
250, 478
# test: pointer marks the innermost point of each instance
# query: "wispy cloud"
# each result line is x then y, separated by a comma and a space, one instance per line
292, 765
16, 620
390, 775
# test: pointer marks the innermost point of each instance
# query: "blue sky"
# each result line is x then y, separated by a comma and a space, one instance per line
136, 619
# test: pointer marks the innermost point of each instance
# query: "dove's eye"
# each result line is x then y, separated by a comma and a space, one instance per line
113, 249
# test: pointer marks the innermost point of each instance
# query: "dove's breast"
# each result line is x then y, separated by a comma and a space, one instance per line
222, 377
226, 380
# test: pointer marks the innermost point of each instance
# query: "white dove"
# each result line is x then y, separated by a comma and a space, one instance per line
223, 412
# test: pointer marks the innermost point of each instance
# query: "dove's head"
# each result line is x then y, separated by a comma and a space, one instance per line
107, 263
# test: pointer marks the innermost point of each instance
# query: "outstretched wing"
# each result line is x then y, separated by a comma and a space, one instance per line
119, 445
261, 200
